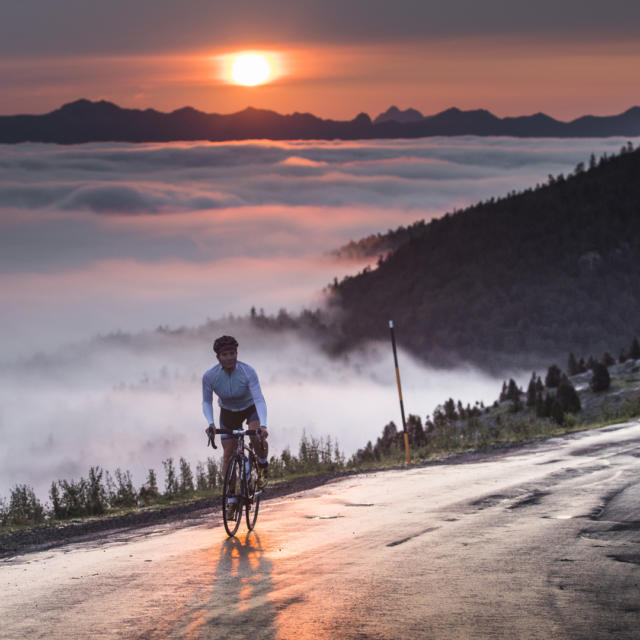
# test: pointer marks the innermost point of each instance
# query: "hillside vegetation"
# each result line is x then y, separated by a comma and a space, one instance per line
514, 280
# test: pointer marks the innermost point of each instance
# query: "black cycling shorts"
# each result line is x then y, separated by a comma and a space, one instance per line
234, 419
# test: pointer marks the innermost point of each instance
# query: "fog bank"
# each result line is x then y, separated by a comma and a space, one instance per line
133, 400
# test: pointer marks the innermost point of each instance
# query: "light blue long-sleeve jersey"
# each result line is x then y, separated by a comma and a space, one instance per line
236, 391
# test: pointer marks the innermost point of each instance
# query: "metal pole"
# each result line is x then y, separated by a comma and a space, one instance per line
404, 422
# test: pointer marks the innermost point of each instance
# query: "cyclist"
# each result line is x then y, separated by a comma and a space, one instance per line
239, 397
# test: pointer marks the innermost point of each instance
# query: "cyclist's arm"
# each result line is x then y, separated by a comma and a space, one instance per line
258, 398
207, 400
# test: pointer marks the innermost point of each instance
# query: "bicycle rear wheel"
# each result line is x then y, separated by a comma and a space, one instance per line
231, 489
253, 495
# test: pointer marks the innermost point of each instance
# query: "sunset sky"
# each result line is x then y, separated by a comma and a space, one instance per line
332, 58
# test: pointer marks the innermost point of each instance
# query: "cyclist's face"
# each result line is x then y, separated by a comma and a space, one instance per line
228, 359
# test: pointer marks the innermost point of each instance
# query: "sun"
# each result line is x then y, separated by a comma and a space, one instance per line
250, 69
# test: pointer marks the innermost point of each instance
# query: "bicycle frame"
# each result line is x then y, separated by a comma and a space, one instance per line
245, 494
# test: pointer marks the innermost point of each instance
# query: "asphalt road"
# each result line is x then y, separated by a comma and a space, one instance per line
541, 542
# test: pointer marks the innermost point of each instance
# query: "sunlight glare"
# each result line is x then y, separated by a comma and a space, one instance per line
250, 69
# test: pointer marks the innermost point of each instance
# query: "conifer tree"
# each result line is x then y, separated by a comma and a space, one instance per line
186, 478
552, 379
531, 391
149, 493
556, 412
513, 393
572, 365
170, 480
601, 379
567, 396
634, 351
96, 498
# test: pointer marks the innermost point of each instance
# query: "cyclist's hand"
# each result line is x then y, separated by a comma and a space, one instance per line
263, 433
211, 434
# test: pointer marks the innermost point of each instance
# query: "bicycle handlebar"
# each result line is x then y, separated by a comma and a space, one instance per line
230, 432
238, 432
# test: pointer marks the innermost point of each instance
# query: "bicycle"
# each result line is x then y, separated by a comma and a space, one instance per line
240, 491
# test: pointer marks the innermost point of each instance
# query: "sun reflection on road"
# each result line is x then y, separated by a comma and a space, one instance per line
239, 596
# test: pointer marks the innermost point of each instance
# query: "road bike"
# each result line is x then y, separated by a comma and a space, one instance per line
241, 491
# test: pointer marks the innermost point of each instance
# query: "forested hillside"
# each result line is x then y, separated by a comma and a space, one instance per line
513, 280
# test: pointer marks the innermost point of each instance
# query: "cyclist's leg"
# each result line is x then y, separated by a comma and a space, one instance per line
228, 420
260, 445
228, 451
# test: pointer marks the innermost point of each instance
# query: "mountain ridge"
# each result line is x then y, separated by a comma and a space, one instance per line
510, 281
102, 121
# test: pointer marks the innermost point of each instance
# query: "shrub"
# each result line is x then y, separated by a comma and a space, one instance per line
23, 508
72, 498
125, 494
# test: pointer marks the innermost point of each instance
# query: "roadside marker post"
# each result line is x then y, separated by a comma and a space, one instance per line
404, 422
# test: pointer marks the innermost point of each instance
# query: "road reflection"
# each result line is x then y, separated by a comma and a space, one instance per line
238, 605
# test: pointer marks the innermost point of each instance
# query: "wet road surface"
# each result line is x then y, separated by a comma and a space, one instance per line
542, 542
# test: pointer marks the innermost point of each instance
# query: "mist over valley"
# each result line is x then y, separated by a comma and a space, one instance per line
103, 243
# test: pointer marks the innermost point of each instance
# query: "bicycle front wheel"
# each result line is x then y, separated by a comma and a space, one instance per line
232, 498
253, 495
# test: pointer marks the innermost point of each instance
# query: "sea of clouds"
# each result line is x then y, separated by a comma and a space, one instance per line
100, 238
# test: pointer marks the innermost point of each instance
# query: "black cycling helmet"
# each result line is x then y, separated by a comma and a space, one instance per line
224, 341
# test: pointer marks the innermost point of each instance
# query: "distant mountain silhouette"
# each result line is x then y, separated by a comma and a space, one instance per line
509, 282
394, 114
86, 121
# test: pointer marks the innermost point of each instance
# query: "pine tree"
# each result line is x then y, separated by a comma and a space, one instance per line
513, 393
600, 380
96, 495
634, 351
415, 431
201, 477
213, 474
186, 478
56, 505
557, 414
608, 359
149, 493
170, 480
573, 367
531, 391
567, 397
553, 377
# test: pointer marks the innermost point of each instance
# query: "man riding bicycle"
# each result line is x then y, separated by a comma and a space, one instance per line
239, 397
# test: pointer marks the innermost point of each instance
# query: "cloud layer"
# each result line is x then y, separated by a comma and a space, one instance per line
104, 236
